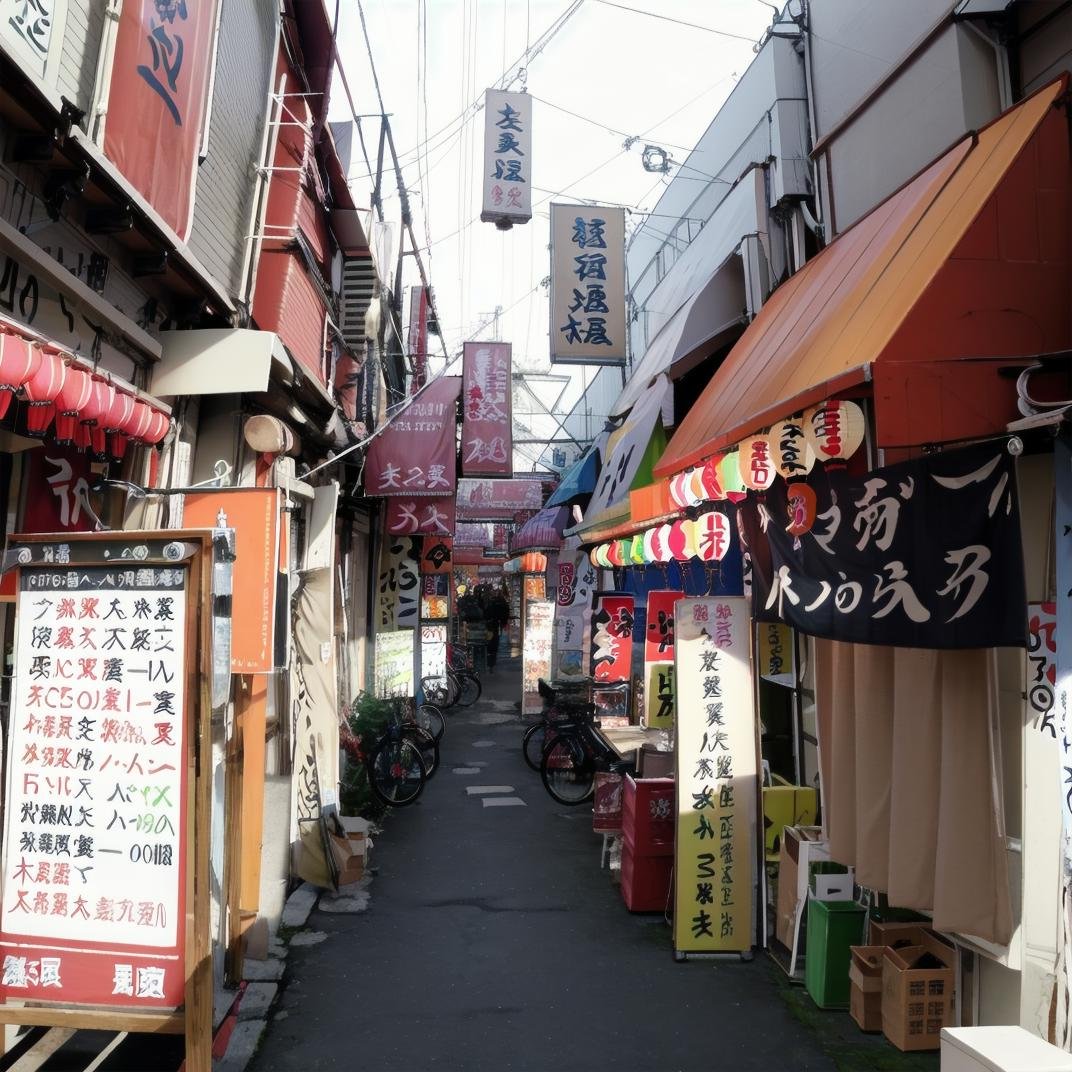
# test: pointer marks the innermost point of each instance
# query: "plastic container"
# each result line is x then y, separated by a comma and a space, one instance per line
645, 881
833, 928
648, 816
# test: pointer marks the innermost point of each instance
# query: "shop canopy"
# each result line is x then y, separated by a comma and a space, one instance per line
542, 531
580, 478
930, 298
631, 451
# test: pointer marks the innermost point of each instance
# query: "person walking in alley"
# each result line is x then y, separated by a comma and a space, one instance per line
496, 616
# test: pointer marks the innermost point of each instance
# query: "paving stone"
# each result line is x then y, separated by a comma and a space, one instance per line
480, 790
346, 905
466, 770
244, 1040
503, 802
299, 904
308, 937
483, 744
263, 970
257, 1000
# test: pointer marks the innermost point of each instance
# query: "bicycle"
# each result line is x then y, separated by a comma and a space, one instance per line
460, 663
394, 765
575, 754
559, 700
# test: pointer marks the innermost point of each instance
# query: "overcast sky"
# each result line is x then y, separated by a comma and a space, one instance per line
625, 72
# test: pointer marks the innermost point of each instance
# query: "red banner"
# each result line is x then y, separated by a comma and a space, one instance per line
481, 499
418, 335
156, 101
415, 455
420, 516
659, 640
612, 637
57, 491
487, 442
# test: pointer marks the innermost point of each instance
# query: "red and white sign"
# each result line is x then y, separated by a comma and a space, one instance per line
57, 482
93, 907
418, 335
484, 499
659, 641
422, 515
487, 440
156, 101
713, 536
612, 637
415, 455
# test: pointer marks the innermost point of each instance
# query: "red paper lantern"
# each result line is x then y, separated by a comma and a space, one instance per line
661, 544
73, 397
158, 427
41, 391
678, 541
104, 395
711, 477
140, 421
18, 362
119, 422
614, 553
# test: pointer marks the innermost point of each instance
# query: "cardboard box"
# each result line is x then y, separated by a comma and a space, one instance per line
800, 845
865, 981
831, 885
897, 935
917, 1002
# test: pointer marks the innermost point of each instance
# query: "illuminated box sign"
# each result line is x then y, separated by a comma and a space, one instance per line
93, 908
507, 158
587, 285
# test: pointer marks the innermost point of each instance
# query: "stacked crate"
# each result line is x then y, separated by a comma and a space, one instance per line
648, 820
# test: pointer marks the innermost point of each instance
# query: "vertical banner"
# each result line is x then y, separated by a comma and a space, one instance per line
415, 455
536, 653
612, 637
659, 659
775, 659
587, 285
418, 335
156, 101
433, 650
487, 440
573, 613
94, 862
716, 777
507, 158
398, 584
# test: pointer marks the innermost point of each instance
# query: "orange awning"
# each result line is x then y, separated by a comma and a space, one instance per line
968, 260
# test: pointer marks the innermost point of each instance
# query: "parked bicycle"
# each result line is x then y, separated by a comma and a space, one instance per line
401, 759
458, 687
574, 754
560, 700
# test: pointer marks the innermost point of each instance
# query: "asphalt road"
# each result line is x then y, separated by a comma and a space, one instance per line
494, 941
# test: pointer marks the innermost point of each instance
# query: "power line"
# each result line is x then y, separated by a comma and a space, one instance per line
679, 22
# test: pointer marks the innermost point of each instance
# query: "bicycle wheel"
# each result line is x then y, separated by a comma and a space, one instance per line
396, 772
429, 717
436, 691
533, 743
468, 688
426, 743
568, 772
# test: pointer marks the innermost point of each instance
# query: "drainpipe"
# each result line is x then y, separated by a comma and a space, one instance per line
102, 79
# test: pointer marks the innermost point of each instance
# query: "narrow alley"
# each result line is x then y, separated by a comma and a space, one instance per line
494, 940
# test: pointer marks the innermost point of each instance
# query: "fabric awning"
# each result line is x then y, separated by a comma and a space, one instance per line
542, 531
580, 478
968, 260
707, 317
630, 454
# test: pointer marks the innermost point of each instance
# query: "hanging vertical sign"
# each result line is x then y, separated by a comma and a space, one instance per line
715, 753
487, 442
156, 101
418, 335
576, 579
536, 652
507, 158
398, 588
659, 659
612, 637
587, 285
93, 903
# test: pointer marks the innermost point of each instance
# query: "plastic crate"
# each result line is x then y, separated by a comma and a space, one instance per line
833, 928
648, 817
645, 881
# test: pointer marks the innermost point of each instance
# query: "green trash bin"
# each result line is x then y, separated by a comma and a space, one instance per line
833, 926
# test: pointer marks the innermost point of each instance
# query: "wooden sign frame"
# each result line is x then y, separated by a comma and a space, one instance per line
196, 551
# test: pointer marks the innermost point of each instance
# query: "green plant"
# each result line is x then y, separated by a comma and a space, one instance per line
366, 718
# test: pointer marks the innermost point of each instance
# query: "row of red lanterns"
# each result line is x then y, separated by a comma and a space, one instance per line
89, 411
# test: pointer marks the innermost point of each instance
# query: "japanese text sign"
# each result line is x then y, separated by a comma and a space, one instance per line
715, 776
536, 653
507, 158
156, 102
484, 499
423, 515
394, 663
33, 31
925, 553
58, 480
415, 455
775, 658
487, 440
573, 616
93, 906
254, 515
1042, 664
612, 637
659, 659
398, 583
587, 285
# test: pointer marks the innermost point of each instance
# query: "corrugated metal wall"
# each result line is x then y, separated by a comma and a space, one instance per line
81, 43
226, 179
